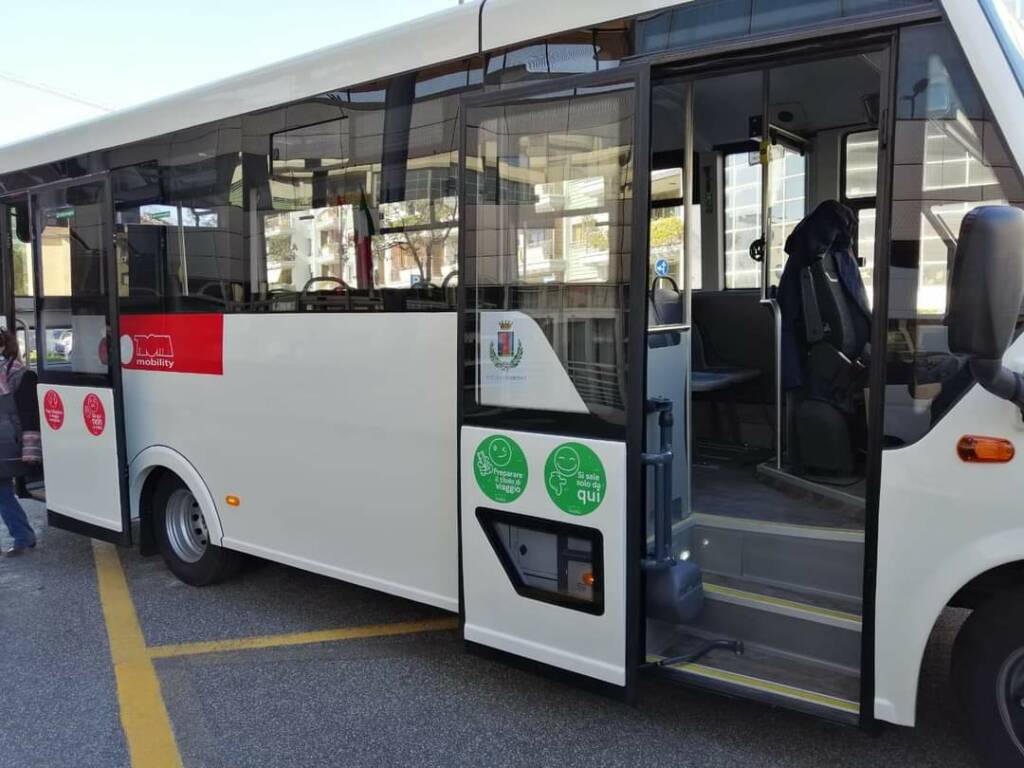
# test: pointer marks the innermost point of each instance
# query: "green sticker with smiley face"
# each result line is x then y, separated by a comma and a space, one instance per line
574, 477
499, 465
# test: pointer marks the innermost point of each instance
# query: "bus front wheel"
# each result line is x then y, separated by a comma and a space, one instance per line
988, 670
183, 539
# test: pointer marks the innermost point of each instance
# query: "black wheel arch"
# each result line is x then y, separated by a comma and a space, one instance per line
988, 584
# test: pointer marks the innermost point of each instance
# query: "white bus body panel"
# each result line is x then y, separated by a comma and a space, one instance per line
82, 472
941, 523
335, 431
497, 616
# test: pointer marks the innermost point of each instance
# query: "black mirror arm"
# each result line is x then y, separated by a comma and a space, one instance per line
999, 380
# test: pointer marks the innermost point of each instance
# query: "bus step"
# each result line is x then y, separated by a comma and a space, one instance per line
809, 559
812, 627
776, 679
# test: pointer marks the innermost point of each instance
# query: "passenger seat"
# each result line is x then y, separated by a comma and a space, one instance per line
667, 309
709, 378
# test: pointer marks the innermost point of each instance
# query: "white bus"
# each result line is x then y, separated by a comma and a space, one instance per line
653, 338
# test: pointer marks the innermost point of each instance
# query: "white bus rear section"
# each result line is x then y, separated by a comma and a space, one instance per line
341, 449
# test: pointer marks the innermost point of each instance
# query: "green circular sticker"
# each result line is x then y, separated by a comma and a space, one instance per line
500, 468
574, 477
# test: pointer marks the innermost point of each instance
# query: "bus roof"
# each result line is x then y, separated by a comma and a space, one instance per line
446, 35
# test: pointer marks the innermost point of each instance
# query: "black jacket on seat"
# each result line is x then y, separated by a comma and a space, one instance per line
821, 275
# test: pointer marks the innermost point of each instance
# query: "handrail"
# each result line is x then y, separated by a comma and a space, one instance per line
670, 328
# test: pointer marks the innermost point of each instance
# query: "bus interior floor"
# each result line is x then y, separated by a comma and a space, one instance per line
736, 489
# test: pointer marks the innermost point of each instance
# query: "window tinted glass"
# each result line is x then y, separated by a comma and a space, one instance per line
948, 159
743, 211
859, 191
71, 228
742, 219
1007, 17
21, 252
547, 258
355, 205
18, 235
704, 21
861, 165
179, 224
668, 225
571, 53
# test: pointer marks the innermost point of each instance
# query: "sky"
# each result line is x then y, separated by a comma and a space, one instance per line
63, 61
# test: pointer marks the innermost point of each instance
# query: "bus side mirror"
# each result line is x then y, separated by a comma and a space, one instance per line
985, 294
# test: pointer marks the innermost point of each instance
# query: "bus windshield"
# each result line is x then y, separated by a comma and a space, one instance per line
1007, 17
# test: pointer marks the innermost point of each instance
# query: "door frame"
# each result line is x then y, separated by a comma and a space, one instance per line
639, 76
883, 39
880, 36
7, 308
114, 380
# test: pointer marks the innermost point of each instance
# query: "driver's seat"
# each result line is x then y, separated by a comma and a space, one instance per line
826, 329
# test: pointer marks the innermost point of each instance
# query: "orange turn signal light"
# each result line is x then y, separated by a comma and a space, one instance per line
587, 579
975, 449
233, 501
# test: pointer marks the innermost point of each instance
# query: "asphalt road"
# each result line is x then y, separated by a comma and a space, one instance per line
415, 699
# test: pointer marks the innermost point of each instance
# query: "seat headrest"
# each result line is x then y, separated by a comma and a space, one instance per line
668, 306
830, 225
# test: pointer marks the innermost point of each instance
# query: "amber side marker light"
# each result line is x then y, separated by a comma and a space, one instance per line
233, 501
984, 450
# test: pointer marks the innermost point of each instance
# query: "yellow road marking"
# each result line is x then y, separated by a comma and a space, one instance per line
302, 638
147, 727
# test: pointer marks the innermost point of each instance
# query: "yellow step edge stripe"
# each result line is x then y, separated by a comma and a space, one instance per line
779, 689
302, 638
753, 524
781, 602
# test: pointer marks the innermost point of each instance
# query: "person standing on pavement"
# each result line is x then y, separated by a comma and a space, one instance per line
19, 438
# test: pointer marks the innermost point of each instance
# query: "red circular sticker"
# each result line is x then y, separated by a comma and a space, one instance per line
53, 409
95, 416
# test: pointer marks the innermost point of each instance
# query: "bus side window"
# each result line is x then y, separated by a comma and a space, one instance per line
859, 191
358, 200
948, 159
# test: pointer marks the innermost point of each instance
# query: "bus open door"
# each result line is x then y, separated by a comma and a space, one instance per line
552, 402
82, 417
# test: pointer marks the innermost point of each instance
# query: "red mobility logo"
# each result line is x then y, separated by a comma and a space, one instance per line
173, 343
94, 414
148, 350
53, 409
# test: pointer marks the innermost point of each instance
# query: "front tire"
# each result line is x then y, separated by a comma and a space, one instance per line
988, 671
183, 539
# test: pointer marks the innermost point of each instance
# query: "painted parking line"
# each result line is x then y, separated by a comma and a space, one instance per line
303, 638
147, 727
144, 719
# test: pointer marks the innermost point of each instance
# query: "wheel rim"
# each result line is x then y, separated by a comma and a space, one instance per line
186, 528
1010, 696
